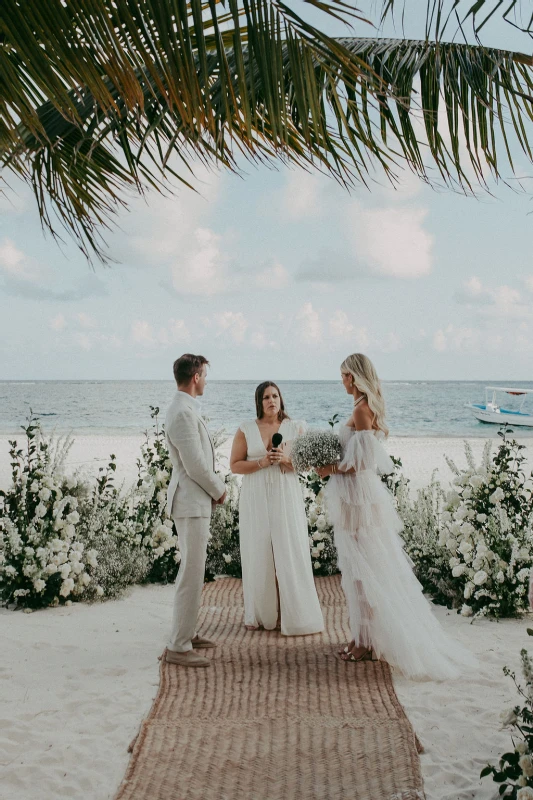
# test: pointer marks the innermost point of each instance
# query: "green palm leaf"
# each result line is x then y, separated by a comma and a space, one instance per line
97, 95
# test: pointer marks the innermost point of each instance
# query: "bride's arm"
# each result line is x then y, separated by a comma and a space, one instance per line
239, 463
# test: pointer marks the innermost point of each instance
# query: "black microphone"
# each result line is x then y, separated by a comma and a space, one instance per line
277, 439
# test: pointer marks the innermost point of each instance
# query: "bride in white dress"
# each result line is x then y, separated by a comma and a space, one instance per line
277, 574
389, 615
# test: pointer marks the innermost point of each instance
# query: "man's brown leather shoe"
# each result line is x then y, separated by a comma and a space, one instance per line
199, 642
187, 659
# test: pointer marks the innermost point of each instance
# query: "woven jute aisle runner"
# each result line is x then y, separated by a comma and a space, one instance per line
274, 718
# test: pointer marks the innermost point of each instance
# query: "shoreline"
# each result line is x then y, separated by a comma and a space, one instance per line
420, 455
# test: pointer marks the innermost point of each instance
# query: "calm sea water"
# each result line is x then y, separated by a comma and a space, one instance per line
415, 408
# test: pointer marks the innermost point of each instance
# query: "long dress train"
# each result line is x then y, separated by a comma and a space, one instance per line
275, 544
387, 608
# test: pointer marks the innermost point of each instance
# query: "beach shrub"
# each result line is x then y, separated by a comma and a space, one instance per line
487, 530
223, 550
108, 527
43, 559
421, 534
514, 773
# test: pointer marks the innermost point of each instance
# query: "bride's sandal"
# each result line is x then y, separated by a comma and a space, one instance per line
366, 656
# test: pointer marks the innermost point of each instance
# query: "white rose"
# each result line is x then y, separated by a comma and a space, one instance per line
50, 569
177, 556
521, 748
161, 497
469, 588
99, 591
526, 765
321, 522
476, 481
313, 516
481, 518
320, 546
315, 552
227, 558
45, 494
458, 570
85, 579
34, 488
454, 562
480, 577
478, 562
65, 571
523, 575
317, 565
521, 781
497, 496
66, 587
467, 493
508, 718
465, 547
39, 585
446, 516
525, 794
40, 511
466, 611
467, 529
73, 518
451, 545
500, 577
461, 513
168, 523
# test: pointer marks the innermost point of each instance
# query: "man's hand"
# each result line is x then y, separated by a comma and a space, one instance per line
221, 500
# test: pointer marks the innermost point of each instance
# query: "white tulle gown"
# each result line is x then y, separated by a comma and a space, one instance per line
275, 543
385, 602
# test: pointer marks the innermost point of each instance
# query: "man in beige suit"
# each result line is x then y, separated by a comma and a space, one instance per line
193, 490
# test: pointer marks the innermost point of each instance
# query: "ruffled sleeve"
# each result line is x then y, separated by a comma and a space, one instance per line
364, 451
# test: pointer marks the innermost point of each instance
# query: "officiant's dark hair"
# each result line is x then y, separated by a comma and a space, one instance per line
186, 367
259, 394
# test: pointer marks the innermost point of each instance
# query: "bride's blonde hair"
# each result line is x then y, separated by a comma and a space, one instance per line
366, 379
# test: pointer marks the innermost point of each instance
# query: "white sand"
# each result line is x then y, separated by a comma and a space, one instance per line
420, 456
75, 682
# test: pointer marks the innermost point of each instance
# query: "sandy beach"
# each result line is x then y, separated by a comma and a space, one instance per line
420, 456
76, 681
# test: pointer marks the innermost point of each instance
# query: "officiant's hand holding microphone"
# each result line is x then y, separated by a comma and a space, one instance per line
278, 454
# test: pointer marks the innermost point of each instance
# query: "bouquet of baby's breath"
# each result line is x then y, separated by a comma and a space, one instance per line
315, 449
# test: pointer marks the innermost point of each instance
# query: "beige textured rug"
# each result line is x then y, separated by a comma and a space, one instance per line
274, 718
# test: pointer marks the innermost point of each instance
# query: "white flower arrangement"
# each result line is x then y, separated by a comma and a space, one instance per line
514, 773
487, 529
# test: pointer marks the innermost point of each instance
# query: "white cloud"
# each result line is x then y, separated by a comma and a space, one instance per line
501, 302
85, 320
309, 323
392, 241
232, 323
145, 334
58, 323
273, 277
464, 340
301, 194
14, 262
529, 282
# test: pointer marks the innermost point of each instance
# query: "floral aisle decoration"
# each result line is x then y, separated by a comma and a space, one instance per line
43, 560
223, 549
108, 528
421, 534
487, 531
156, 530
514, 773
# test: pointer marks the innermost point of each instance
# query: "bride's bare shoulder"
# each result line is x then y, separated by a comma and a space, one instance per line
362, 417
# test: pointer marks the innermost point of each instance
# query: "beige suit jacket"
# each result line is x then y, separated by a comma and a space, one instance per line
194, 483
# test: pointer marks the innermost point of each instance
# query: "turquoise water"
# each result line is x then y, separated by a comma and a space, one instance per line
414, 408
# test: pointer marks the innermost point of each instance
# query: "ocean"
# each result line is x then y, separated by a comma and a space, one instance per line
414, 408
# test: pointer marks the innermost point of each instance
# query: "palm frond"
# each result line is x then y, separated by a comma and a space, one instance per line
98, 97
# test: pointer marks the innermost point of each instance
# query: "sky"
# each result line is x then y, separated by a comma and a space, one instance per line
278, 273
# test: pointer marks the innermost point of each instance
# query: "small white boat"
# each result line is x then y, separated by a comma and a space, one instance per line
491, 411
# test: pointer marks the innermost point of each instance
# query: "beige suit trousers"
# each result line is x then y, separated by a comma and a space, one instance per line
193, 533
